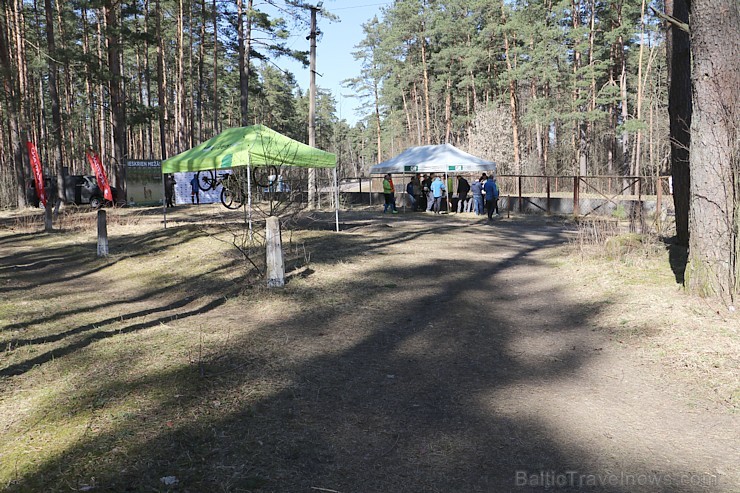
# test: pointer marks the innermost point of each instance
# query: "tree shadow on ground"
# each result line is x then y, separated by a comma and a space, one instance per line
49, 265
400, 387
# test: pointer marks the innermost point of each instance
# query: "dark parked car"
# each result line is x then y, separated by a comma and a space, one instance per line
83, 189
78, 189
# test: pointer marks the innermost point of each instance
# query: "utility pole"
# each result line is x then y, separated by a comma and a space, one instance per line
312, 189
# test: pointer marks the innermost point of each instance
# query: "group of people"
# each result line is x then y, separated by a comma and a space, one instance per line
426, 192
484, 190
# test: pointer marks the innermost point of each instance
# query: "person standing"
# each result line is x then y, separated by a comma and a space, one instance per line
463, 187
438, 190
491, 196
416, 189
169, 190
477, 189
410, 194
428, 192
389, 191
195, 190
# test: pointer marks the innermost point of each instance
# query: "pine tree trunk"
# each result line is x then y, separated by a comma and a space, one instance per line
56, 113
216, 113
448, 110
513, 106
148, 84
179, 81
245, 46
679, 111
101, 91
118, 106
377, 120
15, 117
201, 71
161, 83
715, 149
427, 119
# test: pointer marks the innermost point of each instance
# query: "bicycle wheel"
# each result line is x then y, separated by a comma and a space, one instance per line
207, 179
230, 199
263, 175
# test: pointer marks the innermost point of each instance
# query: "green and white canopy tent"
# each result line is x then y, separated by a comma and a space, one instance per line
252, 146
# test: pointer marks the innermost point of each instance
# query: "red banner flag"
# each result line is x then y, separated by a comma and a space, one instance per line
38, 174
99, 171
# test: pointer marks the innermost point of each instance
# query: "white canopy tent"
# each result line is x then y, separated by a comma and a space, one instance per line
444, 158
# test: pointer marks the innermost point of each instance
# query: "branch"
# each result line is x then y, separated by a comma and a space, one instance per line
672, 20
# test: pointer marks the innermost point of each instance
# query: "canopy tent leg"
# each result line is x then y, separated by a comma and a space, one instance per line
336, 198
164, 200
403, 194
249, 202
447, 184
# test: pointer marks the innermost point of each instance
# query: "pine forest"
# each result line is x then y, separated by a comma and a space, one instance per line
574, 87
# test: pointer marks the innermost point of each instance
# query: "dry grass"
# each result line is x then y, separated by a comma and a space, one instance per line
688, 337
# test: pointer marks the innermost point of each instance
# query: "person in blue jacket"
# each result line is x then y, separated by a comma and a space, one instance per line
438, 190
491, 190
195, 190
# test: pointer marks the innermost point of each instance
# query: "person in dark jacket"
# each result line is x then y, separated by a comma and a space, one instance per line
169, 190
463, 187
491, 190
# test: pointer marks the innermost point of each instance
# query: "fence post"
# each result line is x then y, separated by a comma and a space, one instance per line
576, 196
640, 218
659, 203
519, 187
547, 187
102, 234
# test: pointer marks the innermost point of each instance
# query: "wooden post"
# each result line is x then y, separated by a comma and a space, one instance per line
640, 217
275, 266
659, 203
576, 196
547, 188
48, 223
519, 187
102, 234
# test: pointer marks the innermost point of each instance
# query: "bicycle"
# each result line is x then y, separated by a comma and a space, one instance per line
210, 180
263, 176
233, 194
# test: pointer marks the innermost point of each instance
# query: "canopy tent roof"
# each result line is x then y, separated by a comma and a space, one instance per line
444, 158
255, 145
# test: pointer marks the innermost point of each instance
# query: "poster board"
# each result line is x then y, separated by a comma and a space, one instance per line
183, 188
144, 182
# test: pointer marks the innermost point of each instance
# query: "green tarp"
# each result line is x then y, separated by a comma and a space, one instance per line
256, 145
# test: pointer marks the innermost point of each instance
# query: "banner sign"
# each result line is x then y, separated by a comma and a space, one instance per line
38, 175
99, 171
144, 163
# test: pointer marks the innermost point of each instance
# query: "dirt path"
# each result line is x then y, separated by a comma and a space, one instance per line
415, 354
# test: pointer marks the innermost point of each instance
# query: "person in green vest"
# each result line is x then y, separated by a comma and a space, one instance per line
389, 191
